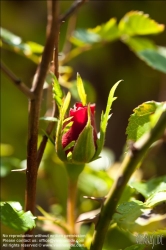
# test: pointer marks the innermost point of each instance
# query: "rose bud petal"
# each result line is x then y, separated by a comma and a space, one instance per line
79, 117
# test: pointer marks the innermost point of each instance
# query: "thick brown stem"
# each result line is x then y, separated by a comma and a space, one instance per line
33, 155
34, 109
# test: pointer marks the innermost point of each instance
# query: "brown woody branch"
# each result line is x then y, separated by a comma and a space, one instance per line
33, 155
73, 8
35, 105
51, 125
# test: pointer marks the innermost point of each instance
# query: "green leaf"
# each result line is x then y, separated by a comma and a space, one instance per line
16, 219
84, 148
136, 216
83, 37
14, 43
107, 31
102, 33
15, 205
156, 198
150, 187
147, 51
57, 91
10, 38
104, 120
127, 194
155, 117
81, 90
138, 23
140, 120
154, 58
137, 44
127, 208
128, 212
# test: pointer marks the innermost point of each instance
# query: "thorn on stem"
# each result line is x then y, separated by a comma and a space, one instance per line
19, 170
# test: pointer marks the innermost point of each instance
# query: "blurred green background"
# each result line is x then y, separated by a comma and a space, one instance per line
101, 67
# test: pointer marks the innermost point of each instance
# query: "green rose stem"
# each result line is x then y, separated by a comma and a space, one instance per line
73, 171
71, 204
131, 161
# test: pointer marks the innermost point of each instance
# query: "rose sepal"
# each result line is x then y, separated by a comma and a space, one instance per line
57, 91
58, 143
104, 121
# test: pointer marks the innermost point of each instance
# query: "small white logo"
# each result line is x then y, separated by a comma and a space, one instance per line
149, 239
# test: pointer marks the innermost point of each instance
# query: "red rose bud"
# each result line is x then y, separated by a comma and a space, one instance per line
76, 136
82, 132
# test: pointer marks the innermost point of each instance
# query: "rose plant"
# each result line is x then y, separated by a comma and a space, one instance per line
77, 142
